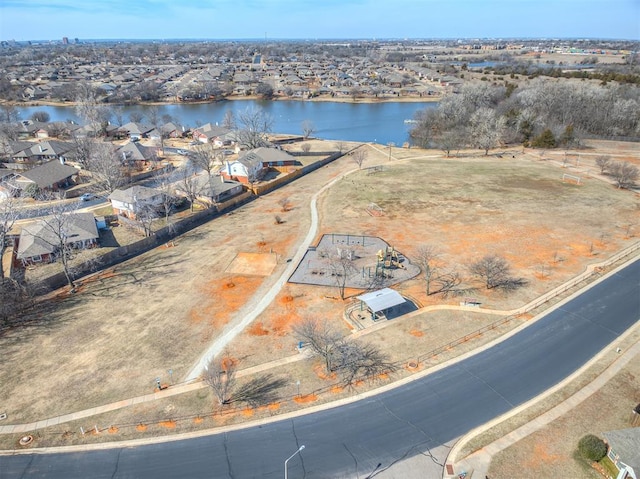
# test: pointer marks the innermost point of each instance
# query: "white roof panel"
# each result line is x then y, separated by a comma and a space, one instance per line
381, 299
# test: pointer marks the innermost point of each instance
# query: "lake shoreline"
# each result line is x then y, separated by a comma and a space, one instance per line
430, 99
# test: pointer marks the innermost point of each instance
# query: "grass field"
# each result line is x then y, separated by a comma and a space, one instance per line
132, 323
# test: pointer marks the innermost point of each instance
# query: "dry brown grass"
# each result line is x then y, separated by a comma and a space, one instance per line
133, 322
550, 451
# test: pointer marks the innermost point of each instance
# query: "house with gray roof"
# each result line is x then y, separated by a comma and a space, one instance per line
133, 152
624, 451
132, 201
52, 176
218, 135
39, 242
213, 189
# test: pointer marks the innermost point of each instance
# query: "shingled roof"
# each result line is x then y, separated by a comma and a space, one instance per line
38, 239
49, 173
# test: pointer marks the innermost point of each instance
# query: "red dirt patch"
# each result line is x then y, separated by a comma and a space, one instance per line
198, 420
141, 427
336, 389
416, 333
112, 430
170, 424
321, 373
306, 399
248, 412
257, 329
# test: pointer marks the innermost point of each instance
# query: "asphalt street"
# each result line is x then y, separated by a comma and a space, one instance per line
349, 441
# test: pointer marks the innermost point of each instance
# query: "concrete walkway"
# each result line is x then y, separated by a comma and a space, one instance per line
477, 464
239, 324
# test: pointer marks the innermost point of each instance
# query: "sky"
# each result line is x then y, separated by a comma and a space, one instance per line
317, 19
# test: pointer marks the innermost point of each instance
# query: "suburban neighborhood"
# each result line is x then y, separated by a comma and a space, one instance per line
468, 296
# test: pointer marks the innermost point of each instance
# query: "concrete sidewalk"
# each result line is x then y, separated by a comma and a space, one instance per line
477, 464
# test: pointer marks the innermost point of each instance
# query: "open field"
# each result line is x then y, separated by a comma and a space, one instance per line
132, 323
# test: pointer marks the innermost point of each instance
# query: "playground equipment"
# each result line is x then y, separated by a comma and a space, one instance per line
390, 258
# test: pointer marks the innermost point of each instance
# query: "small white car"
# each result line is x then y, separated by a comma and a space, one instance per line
87, 197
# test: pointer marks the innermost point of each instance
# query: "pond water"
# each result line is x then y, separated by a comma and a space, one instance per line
367, 122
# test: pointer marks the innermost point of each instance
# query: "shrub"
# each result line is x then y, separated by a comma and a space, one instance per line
544, 140
592, 447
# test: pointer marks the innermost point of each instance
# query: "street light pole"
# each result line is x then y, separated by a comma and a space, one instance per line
289, 458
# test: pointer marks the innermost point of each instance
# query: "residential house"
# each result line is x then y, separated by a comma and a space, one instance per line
172, 130
39, 241
31, 129
133, 153
624, 451
38, 153
213, 189
132, 201
246, 169
272, 157
137, 131
51, 176
219, 136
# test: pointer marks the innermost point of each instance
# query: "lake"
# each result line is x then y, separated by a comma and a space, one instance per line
367, 122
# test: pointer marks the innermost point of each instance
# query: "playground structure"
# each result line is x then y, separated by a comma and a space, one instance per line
357, 261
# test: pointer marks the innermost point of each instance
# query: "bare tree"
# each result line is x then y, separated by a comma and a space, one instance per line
450, 282
155, 120
341, 146
624, 174
321, 339
486, 129
426, 257
229, 120
308, 128
220, 375
8, 217
84, 148
41, 116
9, 113
253, 127
350, 359
356, 361
494, 270
106, 167
205, 156
146, 214
57, 231
189, 185
164, 184
306, 147
603, 162
341, 265
359, 156
89, 109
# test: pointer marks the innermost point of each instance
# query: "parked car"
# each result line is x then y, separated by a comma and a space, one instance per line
182, 152
87, 197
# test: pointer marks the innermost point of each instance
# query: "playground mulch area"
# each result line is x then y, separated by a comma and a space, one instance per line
368, 261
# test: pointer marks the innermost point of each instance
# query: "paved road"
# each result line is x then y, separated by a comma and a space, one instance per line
351, 440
